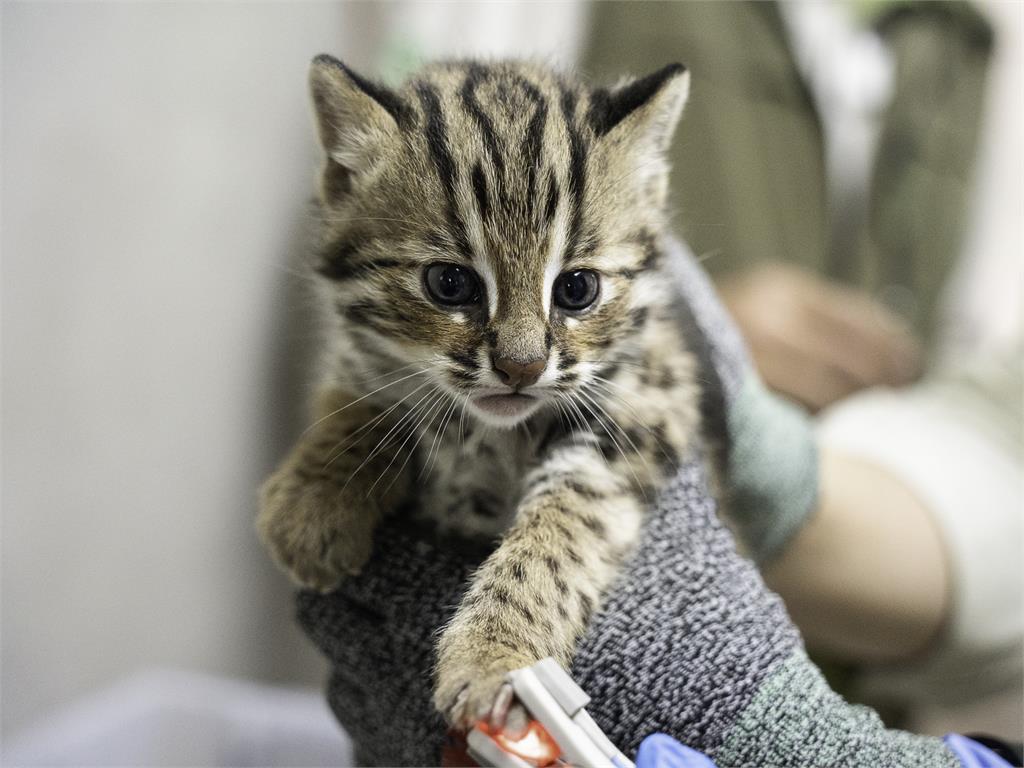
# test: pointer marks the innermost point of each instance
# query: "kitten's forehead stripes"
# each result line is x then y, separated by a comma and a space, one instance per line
532, 144
436, 135
480, 191
577, 170
551, 205
474, 77
490, 188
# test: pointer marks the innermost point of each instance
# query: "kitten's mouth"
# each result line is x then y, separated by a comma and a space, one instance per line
505, 406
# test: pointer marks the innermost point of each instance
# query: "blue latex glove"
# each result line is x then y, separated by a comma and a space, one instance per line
971, 753
661, 751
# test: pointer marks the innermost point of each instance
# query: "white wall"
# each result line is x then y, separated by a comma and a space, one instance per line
987, 292
155, 162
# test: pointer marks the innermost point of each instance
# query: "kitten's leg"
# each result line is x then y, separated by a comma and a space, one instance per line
580, 517
534, 595
317, 512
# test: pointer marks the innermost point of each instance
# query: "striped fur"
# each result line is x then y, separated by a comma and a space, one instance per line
518, 174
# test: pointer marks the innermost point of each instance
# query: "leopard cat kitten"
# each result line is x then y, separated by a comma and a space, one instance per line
503, 349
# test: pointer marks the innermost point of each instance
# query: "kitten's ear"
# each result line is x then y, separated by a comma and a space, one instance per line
643, 112
356, 119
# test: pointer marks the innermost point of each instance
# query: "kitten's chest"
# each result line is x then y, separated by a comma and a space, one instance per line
472, 485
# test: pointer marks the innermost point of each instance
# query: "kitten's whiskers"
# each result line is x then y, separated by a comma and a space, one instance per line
369, 425
428, 465
385, 441
637, 418
581, 420
604, 425
435, 405
359, 400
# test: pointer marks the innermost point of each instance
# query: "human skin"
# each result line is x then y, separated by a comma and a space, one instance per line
816, 341
866, 579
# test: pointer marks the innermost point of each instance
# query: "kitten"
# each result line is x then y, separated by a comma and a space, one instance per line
503, 351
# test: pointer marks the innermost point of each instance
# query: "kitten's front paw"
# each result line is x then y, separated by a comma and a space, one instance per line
471, 681
465, 699
311, 535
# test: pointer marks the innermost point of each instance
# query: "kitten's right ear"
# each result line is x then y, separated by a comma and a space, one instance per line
644, 111
356, 119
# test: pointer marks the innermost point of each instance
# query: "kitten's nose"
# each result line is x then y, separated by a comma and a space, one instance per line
516, 374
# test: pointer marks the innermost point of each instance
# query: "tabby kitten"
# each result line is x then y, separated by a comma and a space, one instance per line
503, 351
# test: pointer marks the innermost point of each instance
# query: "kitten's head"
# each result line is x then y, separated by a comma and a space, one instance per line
493, 225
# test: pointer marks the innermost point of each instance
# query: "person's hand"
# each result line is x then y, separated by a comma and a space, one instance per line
688, 643
662, 751
816, 341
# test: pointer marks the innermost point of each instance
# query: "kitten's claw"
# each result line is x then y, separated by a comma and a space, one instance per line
502, 702
485, 697
460, 701
507, 714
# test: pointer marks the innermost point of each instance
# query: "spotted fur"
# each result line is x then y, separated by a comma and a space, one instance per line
519, 175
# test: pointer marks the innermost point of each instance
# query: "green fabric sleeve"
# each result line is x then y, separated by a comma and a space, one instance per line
796, 719
772, 468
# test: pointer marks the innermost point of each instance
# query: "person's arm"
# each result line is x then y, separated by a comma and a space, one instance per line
852, 550
866, 578
690, 643
922, 528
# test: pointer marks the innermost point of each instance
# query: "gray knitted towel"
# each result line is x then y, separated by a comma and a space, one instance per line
690, 643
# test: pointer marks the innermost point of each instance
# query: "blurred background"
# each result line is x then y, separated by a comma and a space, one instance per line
157, 162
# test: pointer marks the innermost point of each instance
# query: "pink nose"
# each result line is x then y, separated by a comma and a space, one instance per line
516, 374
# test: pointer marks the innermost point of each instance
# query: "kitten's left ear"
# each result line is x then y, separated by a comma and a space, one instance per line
357, 121
644, 111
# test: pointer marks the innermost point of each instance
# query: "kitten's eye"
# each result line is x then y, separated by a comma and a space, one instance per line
576, 290
452, 285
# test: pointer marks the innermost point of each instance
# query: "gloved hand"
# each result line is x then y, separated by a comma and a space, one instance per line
689, 643
661, 751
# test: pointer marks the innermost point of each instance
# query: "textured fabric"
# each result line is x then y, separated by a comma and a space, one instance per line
797, 720
690, 643
749, 171
688, 635
378, 633
770, 455
773, 469
680, 647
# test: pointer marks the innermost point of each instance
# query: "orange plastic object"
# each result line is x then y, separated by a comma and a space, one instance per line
535, 746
